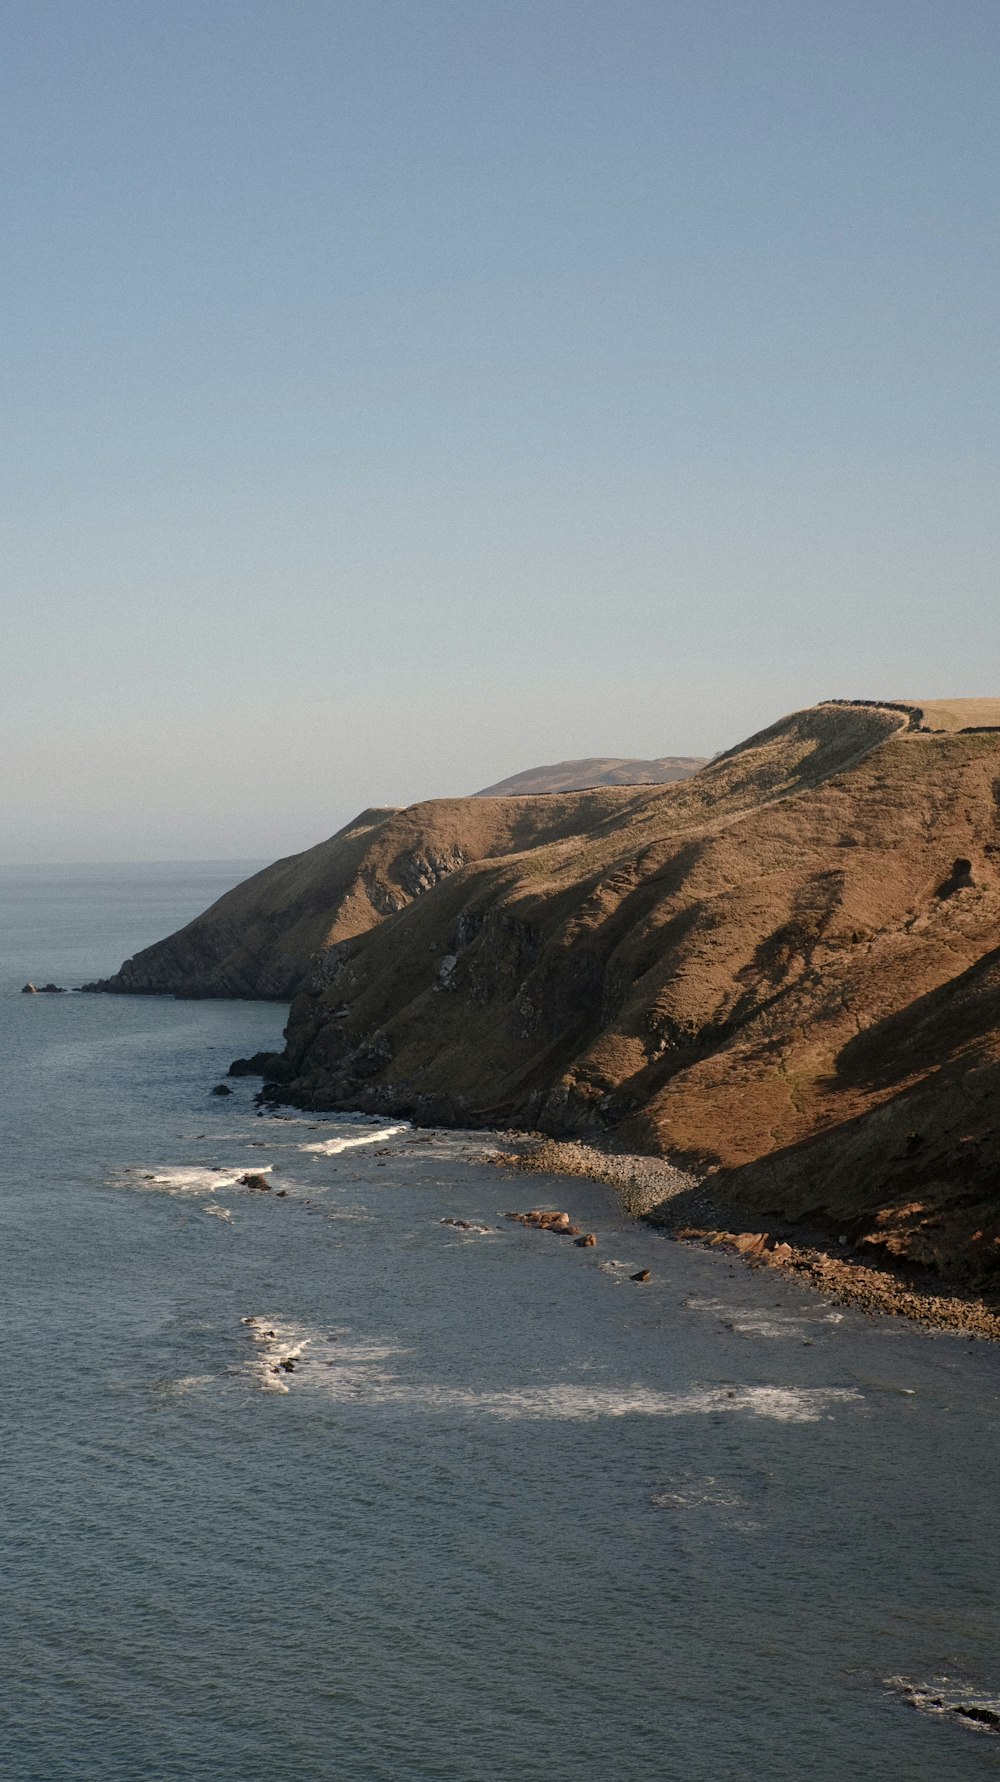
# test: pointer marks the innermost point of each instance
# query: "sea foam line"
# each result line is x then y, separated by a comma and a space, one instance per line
332, 1147
355, 1372
195, 1179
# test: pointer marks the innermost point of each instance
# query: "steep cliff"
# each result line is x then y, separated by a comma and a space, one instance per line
785, 970
268, 936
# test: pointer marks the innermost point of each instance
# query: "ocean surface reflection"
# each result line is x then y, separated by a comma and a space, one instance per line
301, 1481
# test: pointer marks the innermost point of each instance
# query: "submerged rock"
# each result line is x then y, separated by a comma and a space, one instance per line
979, 1712
222, 1089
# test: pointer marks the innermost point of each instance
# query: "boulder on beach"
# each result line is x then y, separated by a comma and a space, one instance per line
542, 1221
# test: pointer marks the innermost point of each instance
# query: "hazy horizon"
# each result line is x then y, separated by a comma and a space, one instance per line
398, 398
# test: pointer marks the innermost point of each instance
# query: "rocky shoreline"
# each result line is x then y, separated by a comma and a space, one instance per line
683, 1207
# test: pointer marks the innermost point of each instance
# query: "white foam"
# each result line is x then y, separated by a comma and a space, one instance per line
355, 1372
217, 1212
781, 1404
705, 1496
753, 1321
945, 1697
334, 1146
195, 1179
188, 1383
696, 1495
314, 1353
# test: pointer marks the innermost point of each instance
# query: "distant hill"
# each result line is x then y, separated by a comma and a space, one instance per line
598, 770
784, 969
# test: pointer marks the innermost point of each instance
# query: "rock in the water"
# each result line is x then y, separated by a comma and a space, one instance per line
586, 1242
29, 989
642, 1275
981, 1713
252, 1179
541, 1221
262, 1064
222, 1089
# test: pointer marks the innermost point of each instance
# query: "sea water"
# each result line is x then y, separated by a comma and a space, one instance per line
302, 1482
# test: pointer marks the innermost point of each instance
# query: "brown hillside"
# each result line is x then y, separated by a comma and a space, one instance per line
261, 939
577, 776
786, 970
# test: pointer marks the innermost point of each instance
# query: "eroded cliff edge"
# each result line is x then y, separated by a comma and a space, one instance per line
785, 970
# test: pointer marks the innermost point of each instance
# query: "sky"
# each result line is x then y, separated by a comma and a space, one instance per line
397, 394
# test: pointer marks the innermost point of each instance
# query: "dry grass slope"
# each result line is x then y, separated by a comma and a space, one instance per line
577, 776
784, 970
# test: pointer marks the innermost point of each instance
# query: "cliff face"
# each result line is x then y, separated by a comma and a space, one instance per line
268, 936
785, 969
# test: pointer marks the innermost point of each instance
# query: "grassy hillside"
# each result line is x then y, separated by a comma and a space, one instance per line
785, 970
575, 776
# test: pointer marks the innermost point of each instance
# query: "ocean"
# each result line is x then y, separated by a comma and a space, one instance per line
302, 1481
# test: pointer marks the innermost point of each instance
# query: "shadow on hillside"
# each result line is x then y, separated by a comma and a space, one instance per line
926, 1033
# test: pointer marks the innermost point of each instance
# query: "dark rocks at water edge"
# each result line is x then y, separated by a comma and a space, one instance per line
852, 1278
263, 1064
30, 989
221, 1089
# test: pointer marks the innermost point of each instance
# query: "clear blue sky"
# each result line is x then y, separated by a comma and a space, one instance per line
398, 393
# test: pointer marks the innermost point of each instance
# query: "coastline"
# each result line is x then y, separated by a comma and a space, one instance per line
684, 1207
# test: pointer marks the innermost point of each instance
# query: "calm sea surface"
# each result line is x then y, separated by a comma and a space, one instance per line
506, 1515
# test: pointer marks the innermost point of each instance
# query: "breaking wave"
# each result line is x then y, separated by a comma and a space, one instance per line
191, 1178
333, 1146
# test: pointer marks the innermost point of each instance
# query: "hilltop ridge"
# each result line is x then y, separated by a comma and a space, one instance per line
596, 770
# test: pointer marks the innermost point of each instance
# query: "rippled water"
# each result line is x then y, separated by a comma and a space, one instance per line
304, 1483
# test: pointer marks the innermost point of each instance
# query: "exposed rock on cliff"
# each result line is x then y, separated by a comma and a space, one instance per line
278, 932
